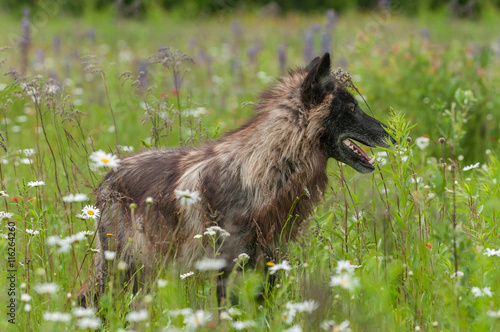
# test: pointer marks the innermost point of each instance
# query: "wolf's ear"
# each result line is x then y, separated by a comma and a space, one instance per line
318, 82
313, 64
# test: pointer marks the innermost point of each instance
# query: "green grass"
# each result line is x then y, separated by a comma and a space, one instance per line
410, 226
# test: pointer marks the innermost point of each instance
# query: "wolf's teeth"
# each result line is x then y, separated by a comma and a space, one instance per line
347, 142
372, 161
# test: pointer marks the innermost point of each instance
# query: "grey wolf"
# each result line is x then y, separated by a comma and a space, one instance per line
249, 181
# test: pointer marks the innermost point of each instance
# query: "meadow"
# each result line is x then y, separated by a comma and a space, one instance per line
415, 246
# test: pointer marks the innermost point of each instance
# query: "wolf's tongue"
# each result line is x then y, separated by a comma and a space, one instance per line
356, 148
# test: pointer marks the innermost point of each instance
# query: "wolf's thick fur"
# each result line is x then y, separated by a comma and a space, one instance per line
248, 180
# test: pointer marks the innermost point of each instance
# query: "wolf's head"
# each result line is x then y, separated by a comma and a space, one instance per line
343, 119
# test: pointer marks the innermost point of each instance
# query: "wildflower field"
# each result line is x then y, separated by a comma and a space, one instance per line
414, 246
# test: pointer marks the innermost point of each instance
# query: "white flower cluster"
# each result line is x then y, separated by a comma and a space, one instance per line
64, 244
73, 198
243, 257
492, 252
493, 314
345, 276
294, 308
478, 292
213, 230
84, 316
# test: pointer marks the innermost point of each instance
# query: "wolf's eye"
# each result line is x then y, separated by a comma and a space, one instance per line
352, 109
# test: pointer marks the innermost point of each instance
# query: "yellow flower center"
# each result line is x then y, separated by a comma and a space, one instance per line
90, 212
336, 329
270, 264
104, 160
344, 282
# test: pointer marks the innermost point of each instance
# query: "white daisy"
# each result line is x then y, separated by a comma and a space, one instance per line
288, 316
330, 325
344, 266
32, 232
306, 306
122, 265
162, 283
345, 281
32, 184
478, 292
125, 148
137, 316
458, 274
467, 168
103, 159
75, 198
90, 212
492, 252
3, 194
57, 317
89, 323
422, 142
208, 264
46, 288
295, 328
198, 318
185, 275
6, 215
276, 267
233, 312
245, 324
493, 314
187, 197
109, 255
64, 244
225, 316
83, 312
25, 297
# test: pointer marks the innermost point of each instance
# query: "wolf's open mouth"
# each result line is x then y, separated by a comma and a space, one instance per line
358, 151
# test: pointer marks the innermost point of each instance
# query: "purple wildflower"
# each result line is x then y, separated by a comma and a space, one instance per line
282, 57
309, 52
331, 19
